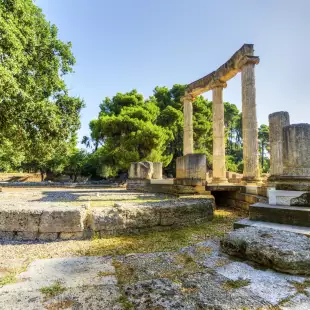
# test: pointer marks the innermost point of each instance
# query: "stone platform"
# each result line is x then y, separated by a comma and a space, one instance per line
104, 215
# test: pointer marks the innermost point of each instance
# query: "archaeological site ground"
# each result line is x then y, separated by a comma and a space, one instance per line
200, 240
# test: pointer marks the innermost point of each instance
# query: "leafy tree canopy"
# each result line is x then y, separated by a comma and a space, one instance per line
36, 112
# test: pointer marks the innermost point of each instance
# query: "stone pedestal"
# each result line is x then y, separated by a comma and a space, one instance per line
249, 122
219, 166
277, 121
141, 170
296, 150
157, 171
296, 159
191, 170
188, 140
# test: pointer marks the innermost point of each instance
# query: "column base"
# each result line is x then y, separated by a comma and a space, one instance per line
251, 181
219, 180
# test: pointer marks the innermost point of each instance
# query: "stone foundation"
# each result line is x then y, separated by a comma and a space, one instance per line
68, 222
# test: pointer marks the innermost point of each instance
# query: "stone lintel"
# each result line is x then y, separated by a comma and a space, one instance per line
225, 72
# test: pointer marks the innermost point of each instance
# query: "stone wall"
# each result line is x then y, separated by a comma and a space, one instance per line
42, 223
49, 223
240, 200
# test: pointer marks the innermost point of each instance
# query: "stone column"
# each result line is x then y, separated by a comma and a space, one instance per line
249, 121
296, 151
219, 166
188, 140
277, 121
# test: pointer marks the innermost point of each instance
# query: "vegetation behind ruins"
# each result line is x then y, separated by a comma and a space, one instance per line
39, 119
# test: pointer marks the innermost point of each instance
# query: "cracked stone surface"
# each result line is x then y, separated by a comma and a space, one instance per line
282, 250
195, 277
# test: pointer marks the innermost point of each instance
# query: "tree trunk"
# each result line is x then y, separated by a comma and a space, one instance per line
42, 175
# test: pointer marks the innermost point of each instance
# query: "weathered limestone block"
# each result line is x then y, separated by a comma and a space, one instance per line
7, 235
130, 217
191, 167
277, 121
26, 235
157, 170
13, 218
296, 150
62, 219
284, 251
141, 170
48, 236
71, 235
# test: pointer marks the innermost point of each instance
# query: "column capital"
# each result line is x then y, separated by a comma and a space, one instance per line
248, 60
188, 97
218, 84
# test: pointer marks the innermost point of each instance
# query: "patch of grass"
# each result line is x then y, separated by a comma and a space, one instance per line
53, 290
285, 300
301, 287
164, 241
60, 305
125, 273
10, 278
127, 305
105, 274
235, 284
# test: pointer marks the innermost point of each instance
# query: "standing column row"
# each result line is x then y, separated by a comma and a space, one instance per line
249, 121
188, 141
219, 166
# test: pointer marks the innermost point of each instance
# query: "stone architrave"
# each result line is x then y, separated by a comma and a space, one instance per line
277, 121
188, 140
296, 151
219, 166
249, 120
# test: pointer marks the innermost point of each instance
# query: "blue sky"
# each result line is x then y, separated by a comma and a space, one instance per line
124, 44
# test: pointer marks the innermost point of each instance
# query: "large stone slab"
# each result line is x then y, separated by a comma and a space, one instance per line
281, 250
88, 282
14, 218
63, 219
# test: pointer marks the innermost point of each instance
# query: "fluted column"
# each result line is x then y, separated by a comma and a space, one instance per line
249, 121
188, 140
219, 166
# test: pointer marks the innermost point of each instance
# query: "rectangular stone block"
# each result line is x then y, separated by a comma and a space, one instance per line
63, 219
19, 219
299, 216
71, 236
157, 170
7, 235
48, 236
191, 167
141, 170
26, 236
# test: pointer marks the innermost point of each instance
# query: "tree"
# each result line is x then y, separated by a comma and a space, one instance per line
126, 128
263, 138
76, 163
36, 112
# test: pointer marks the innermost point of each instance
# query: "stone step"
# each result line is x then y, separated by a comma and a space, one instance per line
296, 229
298, 216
